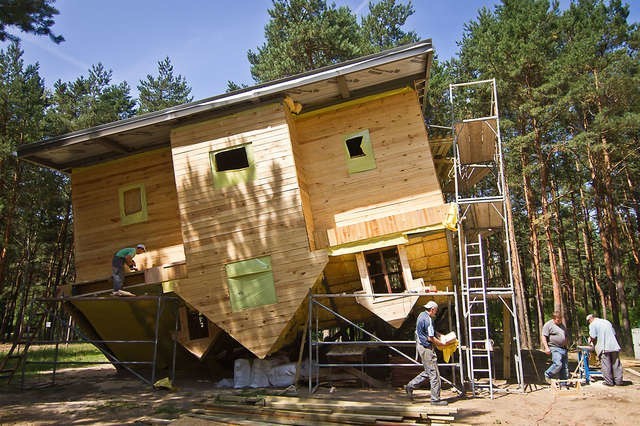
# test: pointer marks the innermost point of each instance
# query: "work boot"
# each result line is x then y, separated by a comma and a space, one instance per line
409, 391
439, 402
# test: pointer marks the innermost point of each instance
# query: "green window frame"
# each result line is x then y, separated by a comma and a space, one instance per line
359, 152
232, 166
251, 283
133, 203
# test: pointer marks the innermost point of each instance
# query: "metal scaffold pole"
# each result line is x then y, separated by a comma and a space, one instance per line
483, 228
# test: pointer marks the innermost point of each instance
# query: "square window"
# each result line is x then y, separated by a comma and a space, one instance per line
385, 271
231, 166
251, 283
133, 204
359, 152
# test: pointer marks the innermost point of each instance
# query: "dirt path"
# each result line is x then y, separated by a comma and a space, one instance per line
100, 396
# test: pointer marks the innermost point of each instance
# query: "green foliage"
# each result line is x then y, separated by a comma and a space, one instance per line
29, 16
88, 101
382, 28
303, 35
568, 87
163, 91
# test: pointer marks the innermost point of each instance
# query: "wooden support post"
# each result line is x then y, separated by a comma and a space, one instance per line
506, 346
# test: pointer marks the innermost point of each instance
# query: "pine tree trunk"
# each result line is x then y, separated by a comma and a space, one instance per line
9, 213
584, 276
609, 203
558, 305
521, 311
535, 245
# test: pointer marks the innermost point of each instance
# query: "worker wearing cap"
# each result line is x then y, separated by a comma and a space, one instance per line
426, 341
124, 257
602, 334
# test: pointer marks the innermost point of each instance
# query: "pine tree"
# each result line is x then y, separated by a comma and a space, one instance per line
303, 35
163, 91
88, 101
30, 16
382, 27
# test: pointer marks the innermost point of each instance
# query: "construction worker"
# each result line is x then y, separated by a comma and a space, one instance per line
426, 341
124, 257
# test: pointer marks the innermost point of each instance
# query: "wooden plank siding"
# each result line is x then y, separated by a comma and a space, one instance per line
263, 217
401, 193
98, 231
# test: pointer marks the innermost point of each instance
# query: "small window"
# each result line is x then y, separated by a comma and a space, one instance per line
251, 283
359, 152
232, 166
385, 271
198, 325
133, 204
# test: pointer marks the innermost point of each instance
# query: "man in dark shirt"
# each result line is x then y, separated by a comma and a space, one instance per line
554, 341
426, 339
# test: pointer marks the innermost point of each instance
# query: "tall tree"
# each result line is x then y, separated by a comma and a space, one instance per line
515, 44
29, 16
32, 247
163, 91
382, 27
598, 76
89, 101
303, 35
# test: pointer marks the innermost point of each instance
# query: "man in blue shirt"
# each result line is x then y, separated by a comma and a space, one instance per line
122, 257
602, 334
426, 339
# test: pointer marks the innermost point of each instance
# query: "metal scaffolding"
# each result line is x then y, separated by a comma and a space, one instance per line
317, 304
483, 228
51, 312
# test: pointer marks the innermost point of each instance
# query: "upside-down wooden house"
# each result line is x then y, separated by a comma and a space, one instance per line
322, 182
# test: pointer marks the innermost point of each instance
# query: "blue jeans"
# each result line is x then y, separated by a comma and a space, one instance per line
559, 364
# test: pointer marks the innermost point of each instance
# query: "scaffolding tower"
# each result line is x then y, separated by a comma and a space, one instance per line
483, 230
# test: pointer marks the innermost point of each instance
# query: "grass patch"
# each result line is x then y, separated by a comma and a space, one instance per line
41, 358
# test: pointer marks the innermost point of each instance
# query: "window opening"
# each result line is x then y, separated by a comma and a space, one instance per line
359, 152
354, 146
385, 271
232, 166
232, 159
198, 325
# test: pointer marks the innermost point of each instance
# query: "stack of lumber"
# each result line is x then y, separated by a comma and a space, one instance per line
279, 410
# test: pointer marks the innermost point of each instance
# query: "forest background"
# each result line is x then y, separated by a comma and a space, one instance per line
569, 95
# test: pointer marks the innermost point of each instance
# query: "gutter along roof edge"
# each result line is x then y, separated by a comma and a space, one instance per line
245, 95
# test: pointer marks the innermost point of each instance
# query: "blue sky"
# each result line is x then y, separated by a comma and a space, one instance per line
206, 40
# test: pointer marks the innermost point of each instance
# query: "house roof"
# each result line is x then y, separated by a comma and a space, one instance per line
401, 66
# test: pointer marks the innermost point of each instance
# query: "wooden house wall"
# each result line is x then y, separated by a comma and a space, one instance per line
98, 230
401, 193
259, 218
428, 258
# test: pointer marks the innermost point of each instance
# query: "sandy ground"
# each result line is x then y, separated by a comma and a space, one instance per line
101, 396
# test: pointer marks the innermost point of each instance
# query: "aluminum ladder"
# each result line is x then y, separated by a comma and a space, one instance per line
480, 345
